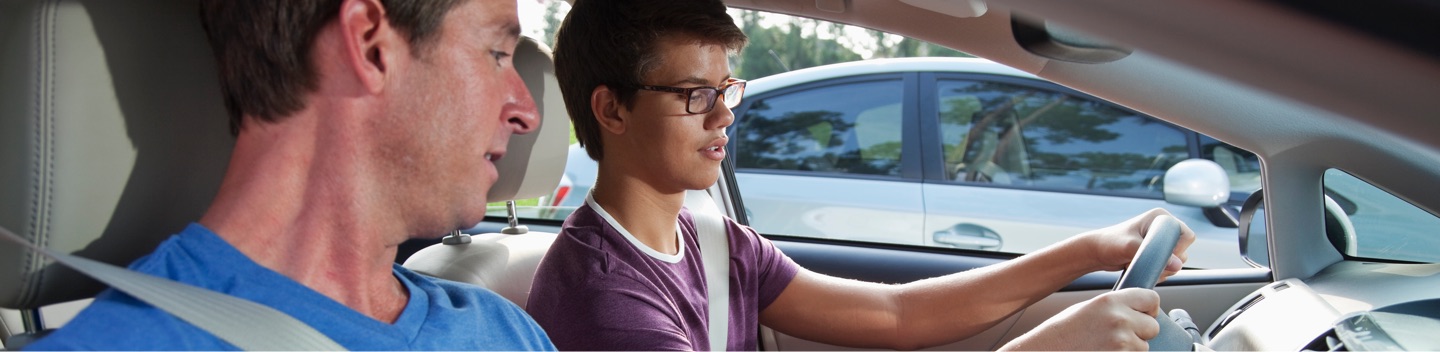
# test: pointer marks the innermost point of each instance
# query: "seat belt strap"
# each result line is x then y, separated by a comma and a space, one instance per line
246, 325
715, 253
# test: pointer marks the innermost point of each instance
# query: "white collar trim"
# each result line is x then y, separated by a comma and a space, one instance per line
679, 240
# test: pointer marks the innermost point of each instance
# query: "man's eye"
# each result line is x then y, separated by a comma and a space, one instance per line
500, 57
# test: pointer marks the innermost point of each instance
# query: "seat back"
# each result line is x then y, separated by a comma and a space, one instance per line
113, 135
533, 166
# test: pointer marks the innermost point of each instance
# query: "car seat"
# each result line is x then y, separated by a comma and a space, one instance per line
506, 263
113, 136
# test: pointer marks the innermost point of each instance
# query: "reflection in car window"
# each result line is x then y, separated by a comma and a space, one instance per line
814, 130
1384, 226
1009, 134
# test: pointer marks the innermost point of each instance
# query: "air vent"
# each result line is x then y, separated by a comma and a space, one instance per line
1235, 314
1329, 341
1280, 286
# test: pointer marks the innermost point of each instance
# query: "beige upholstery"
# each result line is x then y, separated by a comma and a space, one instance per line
502, 263
534, 162
113, 135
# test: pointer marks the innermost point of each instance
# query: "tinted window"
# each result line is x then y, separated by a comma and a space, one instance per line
847, 128
1010, 134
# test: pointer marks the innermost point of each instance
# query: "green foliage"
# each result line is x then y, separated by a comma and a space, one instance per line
781, 48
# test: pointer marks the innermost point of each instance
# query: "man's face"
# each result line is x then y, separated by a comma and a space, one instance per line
456, 105
663, 145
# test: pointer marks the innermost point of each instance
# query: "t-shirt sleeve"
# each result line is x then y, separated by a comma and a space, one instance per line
774, 270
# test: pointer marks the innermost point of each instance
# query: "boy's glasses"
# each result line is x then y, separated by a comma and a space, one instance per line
702, 99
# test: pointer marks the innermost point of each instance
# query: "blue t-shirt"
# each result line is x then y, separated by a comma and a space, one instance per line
441, 315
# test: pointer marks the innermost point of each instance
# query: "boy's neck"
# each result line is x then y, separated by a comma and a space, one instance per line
647, 213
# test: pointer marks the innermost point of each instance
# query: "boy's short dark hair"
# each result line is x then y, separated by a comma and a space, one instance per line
612, 43
263, 47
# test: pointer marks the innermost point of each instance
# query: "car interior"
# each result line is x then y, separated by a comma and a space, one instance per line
112, 137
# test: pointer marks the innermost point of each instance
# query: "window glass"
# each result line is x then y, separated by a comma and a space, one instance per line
815, 130
1010, 134
1242, 166
1377, 224
778, 43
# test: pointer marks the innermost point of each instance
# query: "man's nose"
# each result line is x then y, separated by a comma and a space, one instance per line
520, 112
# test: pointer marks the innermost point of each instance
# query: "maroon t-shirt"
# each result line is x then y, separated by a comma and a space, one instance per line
598, 288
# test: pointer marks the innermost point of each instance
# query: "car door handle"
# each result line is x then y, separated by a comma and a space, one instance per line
969, 236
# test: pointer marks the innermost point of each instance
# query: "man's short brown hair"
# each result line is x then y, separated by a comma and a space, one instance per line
613, 43
263, 47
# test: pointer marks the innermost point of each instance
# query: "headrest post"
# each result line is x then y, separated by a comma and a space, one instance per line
515, 227
456, 237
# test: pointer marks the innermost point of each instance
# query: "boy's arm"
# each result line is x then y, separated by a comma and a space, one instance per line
950, 308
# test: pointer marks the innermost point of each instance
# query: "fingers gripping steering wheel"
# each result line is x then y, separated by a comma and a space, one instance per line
1144, 272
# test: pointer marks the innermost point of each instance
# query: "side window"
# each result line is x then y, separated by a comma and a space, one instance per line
1243, 167
1009, 134
1377, 224
850, 128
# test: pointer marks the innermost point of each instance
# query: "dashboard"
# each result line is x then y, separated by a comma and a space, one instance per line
1350, 305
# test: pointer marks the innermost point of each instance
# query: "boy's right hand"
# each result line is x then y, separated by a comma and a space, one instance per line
1118, 320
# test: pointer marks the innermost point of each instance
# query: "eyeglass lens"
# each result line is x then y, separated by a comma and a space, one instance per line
703, 100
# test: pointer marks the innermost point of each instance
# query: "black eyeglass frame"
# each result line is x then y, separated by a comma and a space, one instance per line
719, 92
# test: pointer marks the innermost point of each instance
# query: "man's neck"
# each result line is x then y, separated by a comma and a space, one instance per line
293, 212
647, 213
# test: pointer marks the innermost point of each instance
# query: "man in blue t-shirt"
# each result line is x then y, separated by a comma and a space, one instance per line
359, 124
649, 88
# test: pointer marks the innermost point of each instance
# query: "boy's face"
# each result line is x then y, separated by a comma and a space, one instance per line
662, 144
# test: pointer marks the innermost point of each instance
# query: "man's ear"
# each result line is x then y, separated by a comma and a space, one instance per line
370, 43
609, 112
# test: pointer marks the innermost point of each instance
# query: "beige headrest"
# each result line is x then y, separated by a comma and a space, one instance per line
534, 162
112, 135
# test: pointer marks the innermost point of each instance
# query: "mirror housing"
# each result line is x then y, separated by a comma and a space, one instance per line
1254, 246
1198, 183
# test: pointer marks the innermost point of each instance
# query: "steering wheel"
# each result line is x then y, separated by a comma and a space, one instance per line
1144, 272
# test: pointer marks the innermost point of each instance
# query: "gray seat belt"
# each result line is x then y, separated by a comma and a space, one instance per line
247, 325
715, 253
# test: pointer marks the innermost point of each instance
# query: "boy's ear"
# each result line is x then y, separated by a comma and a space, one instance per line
608, 110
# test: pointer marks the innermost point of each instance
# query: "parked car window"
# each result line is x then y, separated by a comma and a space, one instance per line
1382, 226
1010, 134
851, 128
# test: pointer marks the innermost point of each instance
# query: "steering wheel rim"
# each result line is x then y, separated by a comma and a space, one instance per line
1144, 272
1149, 263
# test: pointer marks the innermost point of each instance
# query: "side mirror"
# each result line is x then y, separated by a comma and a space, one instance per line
1197, 183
